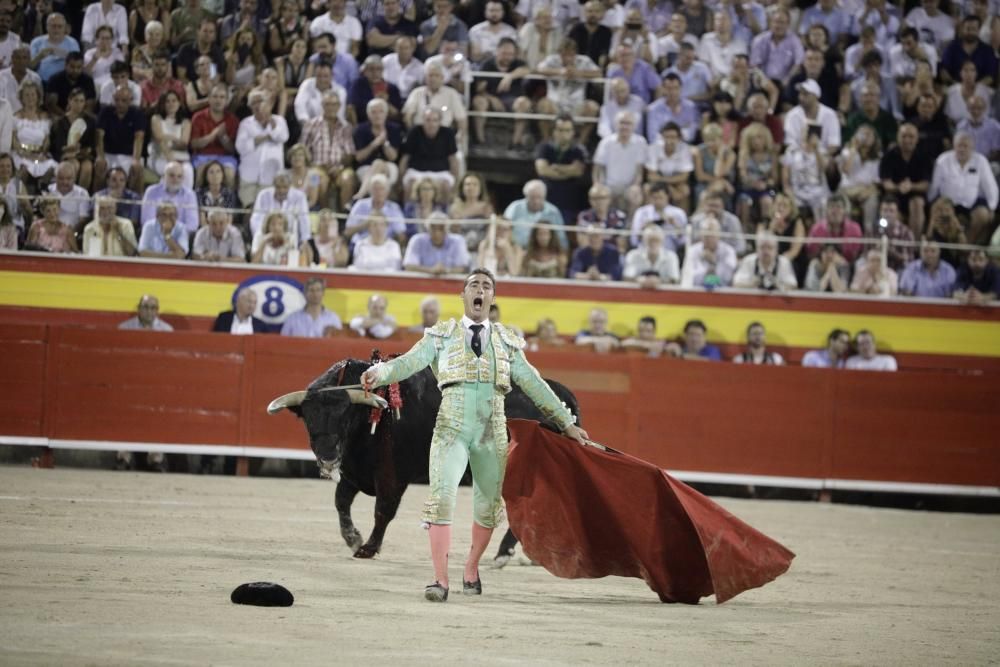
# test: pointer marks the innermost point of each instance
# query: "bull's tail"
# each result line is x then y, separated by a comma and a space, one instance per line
292, 402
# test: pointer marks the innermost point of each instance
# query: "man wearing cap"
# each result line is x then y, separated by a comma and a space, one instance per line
811, 116
475, 362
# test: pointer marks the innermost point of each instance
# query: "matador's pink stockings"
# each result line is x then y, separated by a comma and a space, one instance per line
480, 540
440, 543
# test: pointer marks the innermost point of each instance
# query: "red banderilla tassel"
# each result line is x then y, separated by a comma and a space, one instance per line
395, 400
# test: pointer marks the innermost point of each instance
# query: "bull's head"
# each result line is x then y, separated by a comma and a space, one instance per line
334, 415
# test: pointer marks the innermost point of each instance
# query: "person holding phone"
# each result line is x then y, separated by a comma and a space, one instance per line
812, 119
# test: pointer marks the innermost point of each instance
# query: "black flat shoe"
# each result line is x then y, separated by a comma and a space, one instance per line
472, 587
436, 593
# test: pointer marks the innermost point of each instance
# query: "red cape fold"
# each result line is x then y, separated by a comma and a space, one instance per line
583, 513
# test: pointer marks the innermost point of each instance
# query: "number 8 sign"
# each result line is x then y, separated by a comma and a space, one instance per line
277, 297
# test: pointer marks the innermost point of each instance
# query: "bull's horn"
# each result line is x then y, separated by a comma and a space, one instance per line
374, 400
286, 401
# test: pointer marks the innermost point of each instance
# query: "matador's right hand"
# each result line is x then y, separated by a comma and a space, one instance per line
368, 379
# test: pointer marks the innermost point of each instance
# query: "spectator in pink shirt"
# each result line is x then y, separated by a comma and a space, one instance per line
836, 226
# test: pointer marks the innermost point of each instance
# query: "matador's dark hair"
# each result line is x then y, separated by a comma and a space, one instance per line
483, 272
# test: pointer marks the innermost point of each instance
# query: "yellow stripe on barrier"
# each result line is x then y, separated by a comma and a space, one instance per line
925, 335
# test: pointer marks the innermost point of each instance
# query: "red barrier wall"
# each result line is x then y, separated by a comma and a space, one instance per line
77, 383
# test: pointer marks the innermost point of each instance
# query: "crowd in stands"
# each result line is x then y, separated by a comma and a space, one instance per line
705, 144
315, 320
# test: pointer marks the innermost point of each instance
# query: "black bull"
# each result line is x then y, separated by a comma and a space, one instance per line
383, 464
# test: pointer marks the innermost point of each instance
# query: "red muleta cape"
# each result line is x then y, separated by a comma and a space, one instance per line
584, 513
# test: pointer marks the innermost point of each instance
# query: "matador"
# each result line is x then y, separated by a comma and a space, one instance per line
474, 362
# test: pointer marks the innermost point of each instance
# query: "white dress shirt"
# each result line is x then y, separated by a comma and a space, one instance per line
484, 335
295, 207
309, 100
380, 330
95, 17
405, 78
260, 162
696, 268
964, 184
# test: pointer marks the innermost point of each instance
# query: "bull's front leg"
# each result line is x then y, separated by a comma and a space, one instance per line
344, 498
506, 550
386, 504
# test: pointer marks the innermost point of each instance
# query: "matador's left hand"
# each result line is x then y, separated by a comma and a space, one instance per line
577, 433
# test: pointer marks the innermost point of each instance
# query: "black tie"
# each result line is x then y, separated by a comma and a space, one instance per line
477, 345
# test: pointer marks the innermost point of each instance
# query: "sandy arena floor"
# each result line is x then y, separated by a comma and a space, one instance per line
136, 568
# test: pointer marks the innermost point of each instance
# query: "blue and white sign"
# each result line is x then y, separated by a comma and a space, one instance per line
277, 297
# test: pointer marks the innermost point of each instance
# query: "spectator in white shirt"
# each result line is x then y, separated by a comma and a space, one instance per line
119, 77
659, 212
810, 112
377, 323
74, 201
401, 69
717, 48
652, 264
567, 87
376, 251
309, 97
904, 56
620, 99
105, 12
867, 358
619, 162
435, 95
284, 198
709, 263
670, 161
766, 269
966, 178
936, 28
485, 36
346, 28
260, 142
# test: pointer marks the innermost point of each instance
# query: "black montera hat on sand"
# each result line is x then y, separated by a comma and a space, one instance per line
262, 594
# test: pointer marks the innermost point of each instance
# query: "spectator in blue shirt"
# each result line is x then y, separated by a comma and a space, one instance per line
597, 260
930, 276
641, 76
48, 52
438, 252
696, 347
162, 237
